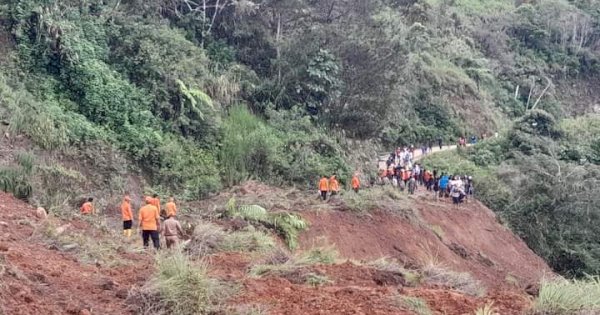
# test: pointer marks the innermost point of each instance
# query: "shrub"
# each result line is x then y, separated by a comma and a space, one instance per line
208, 238
561, 296
436, 274
178, 287
287, 224
414, 304
16, 179
487, 309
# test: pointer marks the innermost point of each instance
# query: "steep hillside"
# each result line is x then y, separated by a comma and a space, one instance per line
453, 260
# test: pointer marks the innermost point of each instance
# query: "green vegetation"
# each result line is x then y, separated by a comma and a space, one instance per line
541, 177
562, 296
208, 238
281, 264
179, 287
181, 97
15, 179
415, 304
287, 224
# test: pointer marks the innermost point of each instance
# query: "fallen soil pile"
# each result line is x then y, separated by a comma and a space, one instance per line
435, 255
37, 278
468, 239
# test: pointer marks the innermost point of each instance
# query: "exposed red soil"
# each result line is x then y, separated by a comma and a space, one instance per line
350, 289
40, 280
36, 279
471, 240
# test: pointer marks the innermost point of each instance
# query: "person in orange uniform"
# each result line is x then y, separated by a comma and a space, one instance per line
334, 185
127, 215
88, 207
355, 183
171, 207
156, 202
324, 187
149, 223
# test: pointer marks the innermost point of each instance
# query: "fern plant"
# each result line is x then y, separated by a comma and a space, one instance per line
288, 225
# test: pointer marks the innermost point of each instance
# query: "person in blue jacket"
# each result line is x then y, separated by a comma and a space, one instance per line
443, 184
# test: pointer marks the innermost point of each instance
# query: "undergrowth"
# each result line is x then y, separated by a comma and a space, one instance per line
287, 224
562, 296
85, 247
208, 238
487, 309
436, 273
281, 264
414, 304
178, 287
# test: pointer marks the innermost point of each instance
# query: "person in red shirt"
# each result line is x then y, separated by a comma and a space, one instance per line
149, 223
88, 207
127, 215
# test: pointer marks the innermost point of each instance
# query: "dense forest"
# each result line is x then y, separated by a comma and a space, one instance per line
200, 95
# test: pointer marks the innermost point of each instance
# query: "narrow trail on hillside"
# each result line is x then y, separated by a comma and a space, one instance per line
418, 154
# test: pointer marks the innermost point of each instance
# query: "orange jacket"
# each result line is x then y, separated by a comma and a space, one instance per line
427, 176
148, 217
323, 184
126, 212
171, 208
87, 208
155, 202
355, 182
334, 185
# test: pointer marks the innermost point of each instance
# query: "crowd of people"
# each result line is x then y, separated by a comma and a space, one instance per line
330, 186
152, 221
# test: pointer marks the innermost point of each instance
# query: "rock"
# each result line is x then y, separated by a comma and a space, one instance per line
3, 223
41, 213
69, 247
38, 277
61, 229
459, 250
385, 278
3, 248
107, 284
238, 224
122, 294
25, 296
84, 312
533, 289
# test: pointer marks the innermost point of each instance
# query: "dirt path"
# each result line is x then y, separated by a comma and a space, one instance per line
417, 155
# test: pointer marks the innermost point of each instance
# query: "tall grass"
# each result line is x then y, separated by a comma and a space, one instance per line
248, 148
414, 304
561, 296
178, 287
